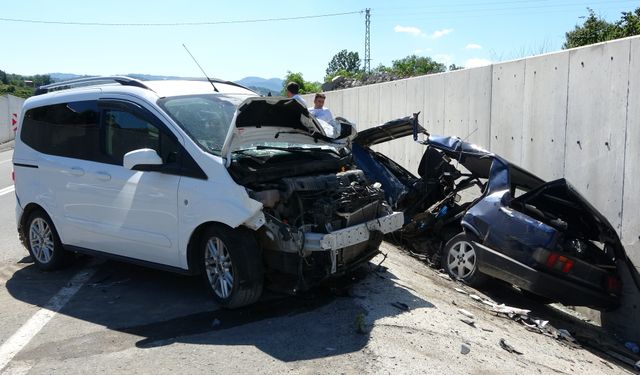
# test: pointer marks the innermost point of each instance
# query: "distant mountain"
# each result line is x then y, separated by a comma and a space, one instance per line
261, 85
273, 84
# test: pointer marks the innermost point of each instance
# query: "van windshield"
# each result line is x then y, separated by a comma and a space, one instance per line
205, 118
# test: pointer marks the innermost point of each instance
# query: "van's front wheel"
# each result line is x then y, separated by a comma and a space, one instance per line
231, 265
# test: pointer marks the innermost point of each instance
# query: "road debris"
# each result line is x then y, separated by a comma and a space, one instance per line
466, 313
509, 348
465, 349
509, 310
468, 321
632, 346
444, 275
400, 306
460, 290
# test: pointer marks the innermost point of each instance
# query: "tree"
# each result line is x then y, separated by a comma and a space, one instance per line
306, 87
596, 29
453, 67
413, 65
3, 77
344, 61
628, 25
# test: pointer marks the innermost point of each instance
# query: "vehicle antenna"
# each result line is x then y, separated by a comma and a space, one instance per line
464, 140
203, 72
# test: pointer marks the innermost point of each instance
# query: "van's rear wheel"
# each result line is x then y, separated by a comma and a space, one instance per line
231, 265
43, 242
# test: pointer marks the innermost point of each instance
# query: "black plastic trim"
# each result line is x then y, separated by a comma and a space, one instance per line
25, 165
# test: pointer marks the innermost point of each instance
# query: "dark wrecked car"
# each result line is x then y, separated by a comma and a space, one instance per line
542, 237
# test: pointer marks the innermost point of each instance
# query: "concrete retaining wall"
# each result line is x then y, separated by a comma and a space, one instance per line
573, 114
10, 107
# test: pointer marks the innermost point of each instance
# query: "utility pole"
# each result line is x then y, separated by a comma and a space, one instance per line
367, 41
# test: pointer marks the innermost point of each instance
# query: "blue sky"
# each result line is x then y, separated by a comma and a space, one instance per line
463, 32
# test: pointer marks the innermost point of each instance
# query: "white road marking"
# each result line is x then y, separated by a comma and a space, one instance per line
7, 190
24, 334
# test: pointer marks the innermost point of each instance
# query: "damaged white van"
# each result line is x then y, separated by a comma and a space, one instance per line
198, 177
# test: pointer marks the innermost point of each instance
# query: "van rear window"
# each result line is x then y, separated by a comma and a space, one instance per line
66, 129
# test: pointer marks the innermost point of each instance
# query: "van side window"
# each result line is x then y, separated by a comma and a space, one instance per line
66, 129
125, 131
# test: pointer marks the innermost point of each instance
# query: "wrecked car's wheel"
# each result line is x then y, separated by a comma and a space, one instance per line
231, 265
461, 261
43, 242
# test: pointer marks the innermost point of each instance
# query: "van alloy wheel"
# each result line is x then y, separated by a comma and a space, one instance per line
41, 240
218, 267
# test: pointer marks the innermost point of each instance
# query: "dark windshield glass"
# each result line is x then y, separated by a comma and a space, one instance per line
205, 118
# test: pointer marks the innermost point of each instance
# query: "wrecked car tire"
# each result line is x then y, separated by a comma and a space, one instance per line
461, 261
43, 242
231, 265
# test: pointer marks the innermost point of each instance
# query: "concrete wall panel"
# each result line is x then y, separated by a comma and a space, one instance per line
416, 88
10, 109
631, 197
334, 103
479, 92
545, 115
350, 101
507, 99
456, 103
596, 121
434, 104
371, 117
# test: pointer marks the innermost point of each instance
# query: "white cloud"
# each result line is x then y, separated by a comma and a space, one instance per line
476, 62
473, 46
440, 33
444, 59
409, 30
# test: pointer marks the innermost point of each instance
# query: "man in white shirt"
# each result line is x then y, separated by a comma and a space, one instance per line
318, 109
292, 92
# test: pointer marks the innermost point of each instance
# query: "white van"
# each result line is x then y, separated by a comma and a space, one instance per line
197, 177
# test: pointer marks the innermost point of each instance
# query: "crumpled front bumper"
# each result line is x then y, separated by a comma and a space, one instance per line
353, 235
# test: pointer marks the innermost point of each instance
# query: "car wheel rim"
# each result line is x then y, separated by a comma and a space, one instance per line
462, 259
41, 240
218, 266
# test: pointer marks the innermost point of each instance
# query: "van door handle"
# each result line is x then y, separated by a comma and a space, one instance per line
74, 171
103, 176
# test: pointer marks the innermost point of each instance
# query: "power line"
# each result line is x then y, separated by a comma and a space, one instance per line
203, 23
517, 7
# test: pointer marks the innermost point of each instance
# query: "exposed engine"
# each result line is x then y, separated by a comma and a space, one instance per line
322, 203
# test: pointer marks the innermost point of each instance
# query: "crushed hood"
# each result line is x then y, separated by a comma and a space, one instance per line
273, 119
388, 131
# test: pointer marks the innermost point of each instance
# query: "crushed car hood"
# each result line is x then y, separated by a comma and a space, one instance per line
273, 119
388, 131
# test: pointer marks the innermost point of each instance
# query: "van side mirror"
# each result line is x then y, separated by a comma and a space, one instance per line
144, 159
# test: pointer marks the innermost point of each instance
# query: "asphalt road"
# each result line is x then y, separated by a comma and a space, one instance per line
107, 317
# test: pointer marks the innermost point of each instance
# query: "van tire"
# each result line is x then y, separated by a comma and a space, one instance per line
231, 265
43, 242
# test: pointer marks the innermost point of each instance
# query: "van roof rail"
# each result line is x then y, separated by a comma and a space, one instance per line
90, 81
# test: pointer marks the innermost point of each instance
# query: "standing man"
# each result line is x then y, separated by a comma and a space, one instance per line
292, 92
318, 109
